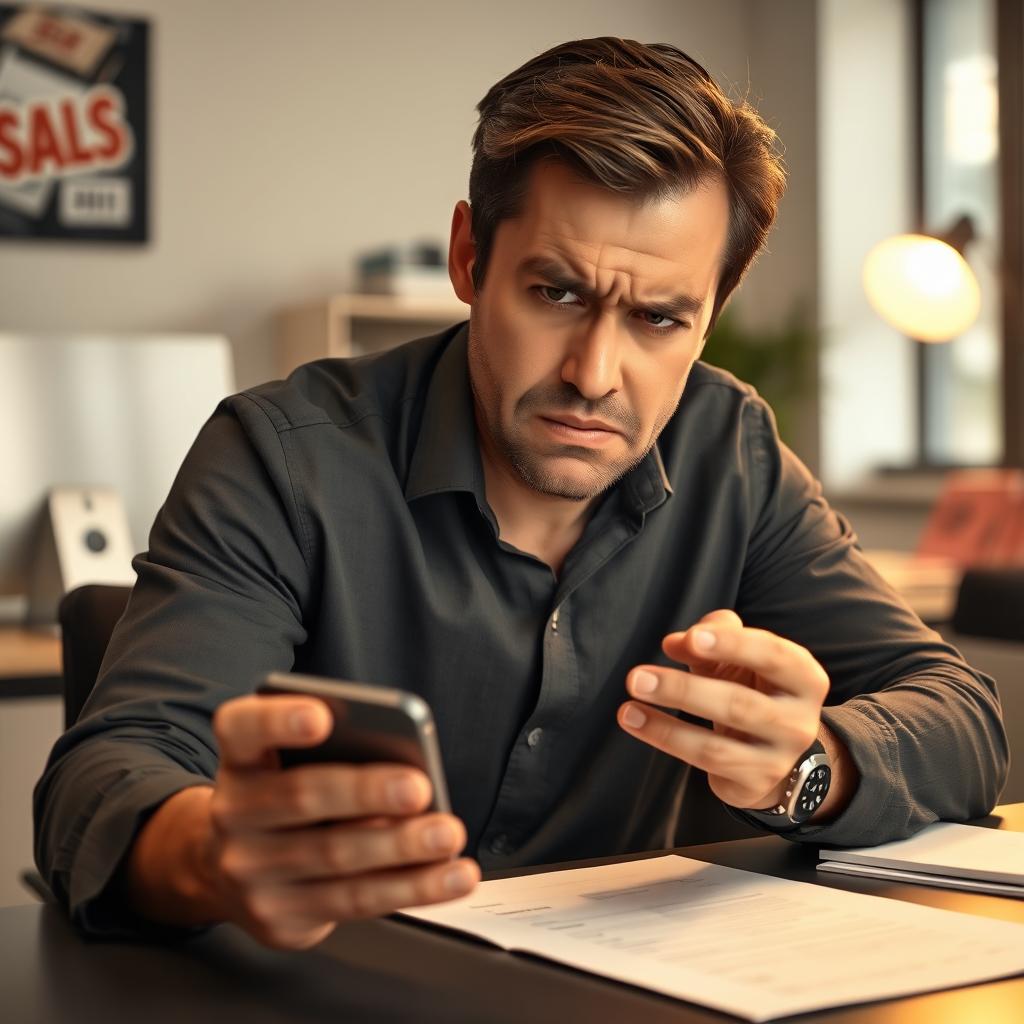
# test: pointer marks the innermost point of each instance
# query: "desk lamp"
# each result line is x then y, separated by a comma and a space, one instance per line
922, 285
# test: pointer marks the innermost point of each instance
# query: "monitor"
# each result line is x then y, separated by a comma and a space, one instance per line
118, 411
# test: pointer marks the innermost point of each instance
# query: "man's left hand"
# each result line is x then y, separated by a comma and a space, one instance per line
762, 693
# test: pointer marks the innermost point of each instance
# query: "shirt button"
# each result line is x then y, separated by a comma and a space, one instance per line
534, 737
500, 844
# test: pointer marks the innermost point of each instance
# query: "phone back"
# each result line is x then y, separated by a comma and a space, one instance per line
372, 724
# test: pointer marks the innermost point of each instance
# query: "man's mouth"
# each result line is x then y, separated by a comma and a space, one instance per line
574, 430
577, 424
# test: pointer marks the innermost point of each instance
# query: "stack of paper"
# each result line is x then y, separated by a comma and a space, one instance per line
943, 854
752, 945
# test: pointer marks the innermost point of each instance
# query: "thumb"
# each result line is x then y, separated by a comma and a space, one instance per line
725, 617
680, 646
250, 728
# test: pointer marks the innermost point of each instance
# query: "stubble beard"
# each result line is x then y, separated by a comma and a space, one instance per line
530, 465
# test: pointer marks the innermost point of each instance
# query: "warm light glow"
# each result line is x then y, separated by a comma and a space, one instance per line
972, 110
922, 287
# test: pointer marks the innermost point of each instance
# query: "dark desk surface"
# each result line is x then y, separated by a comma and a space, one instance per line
392, 970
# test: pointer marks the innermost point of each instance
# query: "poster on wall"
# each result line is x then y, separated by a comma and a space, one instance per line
73, 124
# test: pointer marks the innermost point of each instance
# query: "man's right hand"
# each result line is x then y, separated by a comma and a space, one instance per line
288, 853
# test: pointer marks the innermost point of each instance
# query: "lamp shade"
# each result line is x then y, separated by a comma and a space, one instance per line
922, 287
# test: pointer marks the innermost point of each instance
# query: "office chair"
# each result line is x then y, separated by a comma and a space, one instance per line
990, 603
87, 618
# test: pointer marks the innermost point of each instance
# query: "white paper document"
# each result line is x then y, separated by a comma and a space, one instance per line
748, 944
943, 848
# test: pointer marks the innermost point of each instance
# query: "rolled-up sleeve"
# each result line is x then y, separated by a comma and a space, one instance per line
923, 728
218, 603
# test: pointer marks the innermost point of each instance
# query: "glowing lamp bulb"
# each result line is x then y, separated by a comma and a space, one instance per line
922, 287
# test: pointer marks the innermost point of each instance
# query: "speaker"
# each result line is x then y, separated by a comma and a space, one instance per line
83, 538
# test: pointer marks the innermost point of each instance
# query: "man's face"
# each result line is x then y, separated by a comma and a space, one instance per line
592, 313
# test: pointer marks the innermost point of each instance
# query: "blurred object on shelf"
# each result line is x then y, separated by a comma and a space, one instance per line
976, 523
416, 270
978, 519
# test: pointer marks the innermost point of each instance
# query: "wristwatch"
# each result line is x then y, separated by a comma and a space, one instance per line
806, 788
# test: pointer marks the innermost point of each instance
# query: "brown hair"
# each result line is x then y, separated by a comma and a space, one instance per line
645, 120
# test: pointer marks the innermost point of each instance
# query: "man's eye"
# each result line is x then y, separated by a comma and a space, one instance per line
558, 296
657, 320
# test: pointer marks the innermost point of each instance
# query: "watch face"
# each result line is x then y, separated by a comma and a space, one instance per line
814, 790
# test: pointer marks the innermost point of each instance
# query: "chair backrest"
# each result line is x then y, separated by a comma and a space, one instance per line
87, 617
990, 603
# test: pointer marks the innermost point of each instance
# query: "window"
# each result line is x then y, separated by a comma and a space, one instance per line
970, 126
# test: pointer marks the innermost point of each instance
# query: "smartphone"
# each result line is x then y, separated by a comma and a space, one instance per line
371, 724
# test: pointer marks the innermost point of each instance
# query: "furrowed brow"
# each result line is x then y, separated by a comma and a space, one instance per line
564, 277
561, 275
677, 307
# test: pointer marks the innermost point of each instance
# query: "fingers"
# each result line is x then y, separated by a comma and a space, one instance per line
762, 693
740, 772
266, 799
722, 701
249, 728
720, 639
297, 850
364, 896
340, 850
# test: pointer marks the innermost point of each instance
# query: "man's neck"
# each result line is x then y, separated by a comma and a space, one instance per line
540, 524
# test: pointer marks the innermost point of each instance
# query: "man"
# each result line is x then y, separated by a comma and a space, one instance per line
611, 591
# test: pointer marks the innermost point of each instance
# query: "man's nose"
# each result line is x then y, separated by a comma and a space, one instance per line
593, 364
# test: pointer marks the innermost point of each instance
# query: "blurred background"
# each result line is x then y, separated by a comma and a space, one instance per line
295, 148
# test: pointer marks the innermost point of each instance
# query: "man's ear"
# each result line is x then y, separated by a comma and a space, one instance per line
462, 252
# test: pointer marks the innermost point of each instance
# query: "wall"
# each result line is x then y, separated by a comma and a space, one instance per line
783, 40
287, 137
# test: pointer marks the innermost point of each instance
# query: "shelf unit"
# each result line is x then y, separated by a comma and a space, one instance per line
351, 324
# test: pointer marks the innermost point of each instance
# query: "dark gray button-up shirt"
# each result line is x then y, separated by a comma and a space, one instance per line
337, 523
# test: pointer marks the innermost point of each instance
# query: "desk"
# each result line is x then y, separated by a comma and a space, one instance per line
30, 662
392, 970
31, 719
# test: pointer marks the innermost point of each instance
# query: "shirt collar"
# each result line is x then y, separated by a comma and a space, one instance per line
447, 456
648, 484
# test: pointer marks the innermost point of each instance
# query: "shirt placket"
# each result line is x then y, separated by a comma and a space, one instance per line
531, 773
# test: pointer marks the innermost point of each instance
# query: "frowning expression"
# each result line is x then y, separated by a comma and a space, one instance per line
593, 310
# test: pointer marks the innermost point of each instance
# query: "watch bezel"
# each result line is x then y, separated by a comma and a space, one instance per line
790, 814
